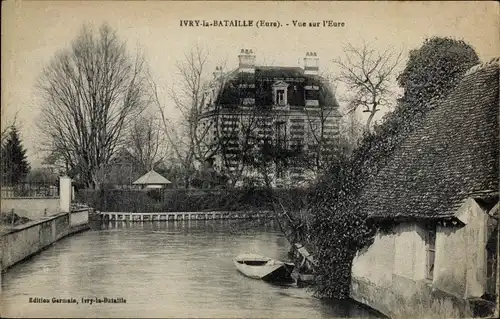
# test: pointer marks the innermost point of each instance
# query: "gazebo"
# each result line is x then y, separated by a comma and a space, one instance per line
152, 180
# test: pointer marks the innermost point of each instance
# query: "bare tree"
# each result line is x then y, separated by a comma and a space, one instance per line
192, 95
263, 154
321, 139
145, 143
369, 76
91, 93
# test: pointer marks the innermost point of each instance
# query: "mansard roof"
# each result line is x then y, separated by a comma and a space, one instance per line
278, 72
452, 156
264, 78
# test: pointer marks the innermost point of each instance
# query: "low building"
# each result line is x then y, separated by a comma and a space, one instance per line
152, 179
435, 205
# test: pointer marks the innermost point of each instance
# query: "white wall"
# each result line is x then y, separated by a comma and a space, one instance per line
36, 208
376, 263
400, 252
410, 252
461, 255
33, 208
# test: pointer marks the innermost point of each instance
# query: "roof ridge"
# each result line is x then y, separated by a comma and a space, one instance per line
481, 66
278, 67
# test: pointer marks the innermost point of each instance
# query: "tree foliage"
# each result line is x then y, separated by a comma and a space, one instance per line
42, 176
339, 226
434, 69
15, 165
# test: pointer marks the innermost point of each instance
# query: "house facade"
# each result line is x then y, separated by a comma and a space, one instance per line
285, 108
435, 205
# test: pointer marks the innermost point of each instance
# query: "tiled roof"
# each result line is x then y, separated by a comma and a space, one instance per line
278, 72
151, 178
453, 155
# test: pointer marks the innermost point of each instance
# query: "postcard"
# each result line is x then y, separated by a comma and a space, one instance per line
249, 159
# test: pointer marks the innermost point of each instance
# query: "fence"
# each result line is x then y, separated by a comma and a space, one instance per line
187, 200
31, 190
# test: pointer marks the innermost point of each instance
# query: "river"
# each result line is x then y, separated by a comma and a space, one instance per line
160, 269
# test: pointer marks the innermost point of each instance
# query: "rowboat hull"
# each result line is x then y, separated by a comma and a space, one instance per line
258, 267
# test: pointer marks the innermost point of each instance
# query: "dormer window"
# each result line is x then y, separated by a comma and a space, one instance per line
280, 93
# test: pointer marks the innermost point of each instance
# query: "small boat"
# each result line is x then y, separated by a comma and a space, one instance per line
265, 268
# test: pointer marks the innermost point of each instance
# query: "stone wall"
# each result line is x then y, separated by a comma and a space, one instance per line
27, 239
31, 207
79, 217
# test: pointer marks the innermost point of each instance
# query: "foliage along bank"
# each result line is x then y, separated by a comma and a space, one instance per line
190, 200
340, 228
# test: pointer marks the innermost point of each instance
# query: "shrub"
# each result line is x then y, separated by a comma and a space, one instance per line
182, 200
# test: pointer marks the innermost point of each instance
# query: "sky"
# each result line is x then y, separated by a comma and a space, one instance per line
33, 31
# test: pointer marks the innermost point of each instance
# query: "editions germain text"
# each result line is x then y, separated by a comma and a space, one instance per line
76, 301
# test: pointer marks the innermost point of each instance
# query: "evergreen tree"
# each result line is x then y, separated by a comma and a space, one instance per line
15, 165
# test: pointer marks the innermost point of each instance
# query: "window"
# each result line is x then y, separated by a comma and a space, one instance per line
311, 95
280, 97
431, 251
280, 93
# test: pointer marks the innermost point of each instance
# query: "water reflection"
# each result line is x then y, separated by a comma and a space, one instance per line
162, 269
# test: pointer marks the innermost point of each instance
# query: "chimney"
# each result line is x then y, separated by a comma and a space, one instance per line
247, 61
311, 64
219, 73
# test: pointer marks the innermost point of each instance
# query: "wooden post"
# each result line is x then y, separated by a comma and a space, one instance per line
12, 217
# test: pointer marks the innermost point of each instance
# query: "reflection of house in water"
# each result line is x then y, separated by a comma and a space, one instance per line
435, 203
152, 180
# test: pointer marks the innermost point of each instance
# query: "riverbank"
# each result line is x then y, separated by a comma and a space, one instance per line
23, 241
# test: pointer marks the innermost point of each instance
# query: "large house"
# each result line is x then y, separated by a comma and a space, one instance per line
436, 205
290, 108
